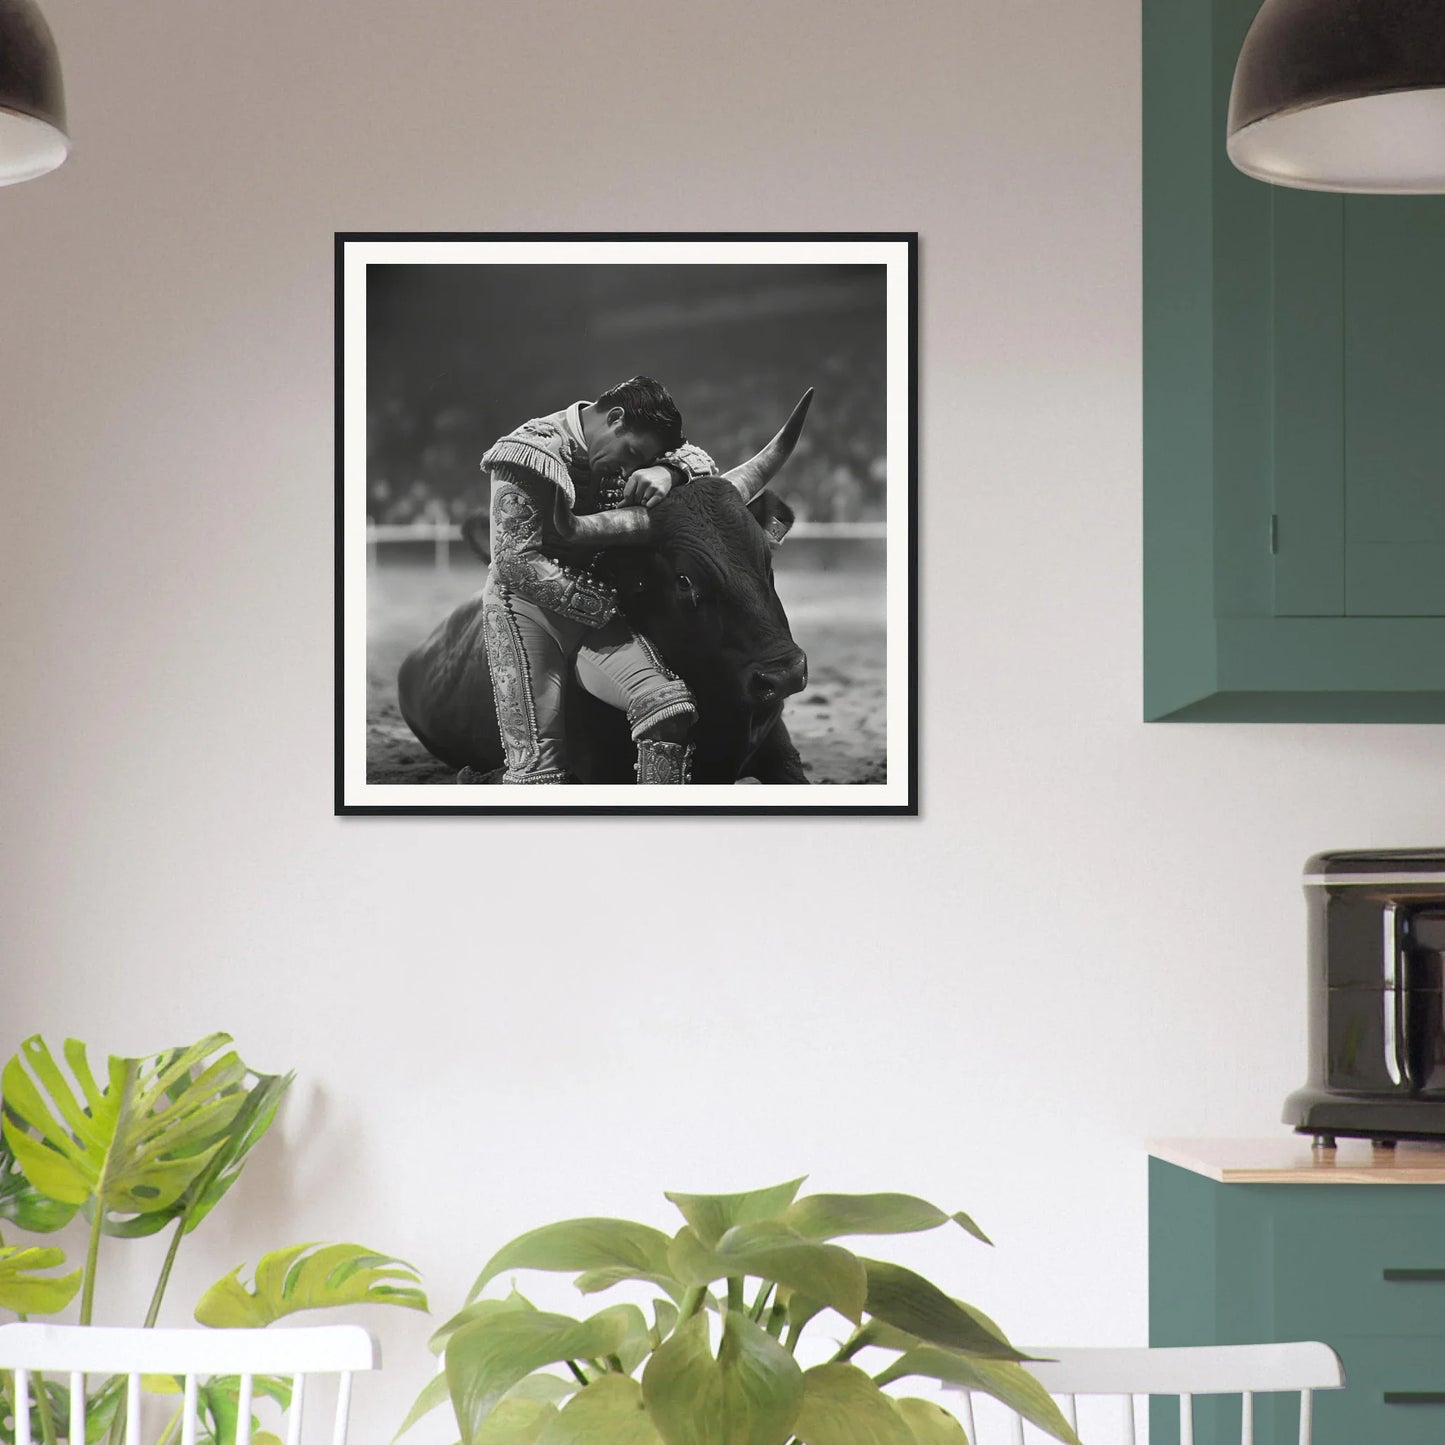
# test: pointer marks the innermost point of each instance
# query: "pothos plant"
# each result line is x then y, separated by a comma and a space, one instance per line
152, 1144
763, 1264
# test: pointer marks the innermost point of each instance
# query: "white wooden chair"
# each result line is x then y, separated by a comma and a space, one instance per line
1243, 1370
73, 1352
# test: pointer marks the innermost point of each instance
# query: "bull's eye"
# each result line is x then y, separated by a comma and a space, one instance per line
684, 581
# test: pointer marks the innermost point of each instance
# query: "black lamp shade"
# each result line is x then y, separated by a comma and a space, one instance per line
1342, 95
33, 139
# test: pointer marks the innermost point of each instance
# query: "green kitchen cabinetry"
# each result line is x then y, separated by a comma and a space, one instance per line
1294, 420
1360, 1266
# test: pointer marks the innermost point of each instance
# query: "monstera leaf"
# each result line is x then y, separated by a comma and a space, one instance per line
257, 1111
309, 1277
24, 1205
24, 1287
132, 1146
53, 1420
218, 1404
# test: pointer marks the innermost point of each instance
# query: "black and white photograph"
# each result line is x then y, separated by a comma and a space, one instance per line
626, 524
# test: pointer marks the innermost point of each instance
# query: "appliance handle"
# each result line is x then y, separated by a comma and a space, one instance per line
1390, 1000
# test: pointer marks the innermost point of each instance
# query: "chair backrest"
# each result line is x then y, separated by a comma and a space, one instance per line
1243, 1370
197, 1358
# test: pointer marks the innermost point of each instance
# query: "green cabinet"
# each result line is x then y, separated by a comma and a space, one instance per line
1294, 420
1359, 1266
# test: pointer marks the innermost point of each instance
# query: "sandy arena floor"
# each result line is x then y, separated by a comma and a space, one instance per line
837, 616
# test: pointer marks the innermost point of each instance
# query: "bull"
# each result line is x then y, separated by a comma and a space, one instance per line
694, 575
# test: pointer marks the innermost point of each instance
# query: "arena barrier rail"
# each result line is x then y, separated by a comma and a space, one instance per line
444, 535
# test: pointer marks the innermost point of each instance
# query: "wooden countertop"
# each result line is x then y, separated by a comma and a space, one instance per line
1290, 1159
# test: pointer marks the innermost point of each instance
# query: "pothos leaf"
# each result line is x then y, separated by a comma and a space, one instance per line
830, 1216
610, 1409
433, 1396
593, 1281
478, 1309
842, 1406
888, 1337
581, 1244
516, 1421
712, 1215
930, 1423
664, 1315
899, 1297
1002, 1379
489, 1355
750, 1394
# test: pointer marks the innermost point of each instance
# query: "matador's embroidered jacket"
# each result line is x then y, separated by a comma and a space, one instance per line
528, 467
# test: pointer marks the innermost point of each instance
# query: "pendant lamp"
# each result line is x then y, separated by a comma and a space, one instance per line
1342, 95
32, 99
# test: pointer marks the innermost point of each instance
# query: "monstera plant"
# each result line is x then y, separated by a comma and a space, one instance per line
751, 1272
151, 1144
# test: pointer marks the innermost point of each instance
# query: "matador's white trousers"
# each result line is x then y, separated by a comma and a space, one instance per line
532, 653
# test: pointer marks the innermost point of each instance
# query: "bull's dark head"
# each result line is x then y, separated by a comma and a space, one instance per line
695, 576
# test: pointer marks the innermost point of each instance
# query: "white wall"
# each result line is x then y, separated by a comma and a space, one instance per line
1094, 934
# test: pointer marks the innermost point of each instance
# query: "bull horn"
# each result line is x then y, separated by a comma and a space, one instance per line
754, 475
623, 527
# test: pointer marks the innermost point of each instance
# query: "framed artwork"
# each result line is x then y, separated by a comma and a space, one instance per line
626, 523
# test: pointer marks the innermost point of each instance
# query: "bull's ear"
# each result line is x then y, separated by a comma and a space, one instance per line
773, 515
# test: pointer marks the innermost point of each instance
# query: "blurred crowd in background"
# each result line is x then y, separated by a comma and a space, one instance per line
456, 360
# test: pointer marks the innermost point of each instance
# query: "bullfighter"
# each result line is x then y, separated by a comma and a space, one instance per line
543, 617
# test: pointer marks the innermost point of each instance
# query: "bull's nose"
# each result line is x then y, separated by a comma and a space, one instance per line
779, 679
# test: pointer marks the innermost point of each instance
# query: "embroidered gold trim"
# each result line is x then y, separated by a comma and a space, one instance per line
667, 763
529, 457
673, 699
690, 459
511, 688
518, 561
552, 775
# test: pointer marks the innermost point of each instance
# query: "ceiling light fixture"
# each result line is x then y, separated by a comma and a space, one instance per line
33, 140
1342, 95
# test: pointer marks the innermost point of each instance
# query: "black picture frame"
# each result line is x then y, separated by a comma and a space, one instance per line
372, 799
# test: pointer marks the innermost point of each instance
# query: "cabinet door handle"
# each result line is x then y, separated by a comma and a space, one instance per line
1415, 1397
1415, 1276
